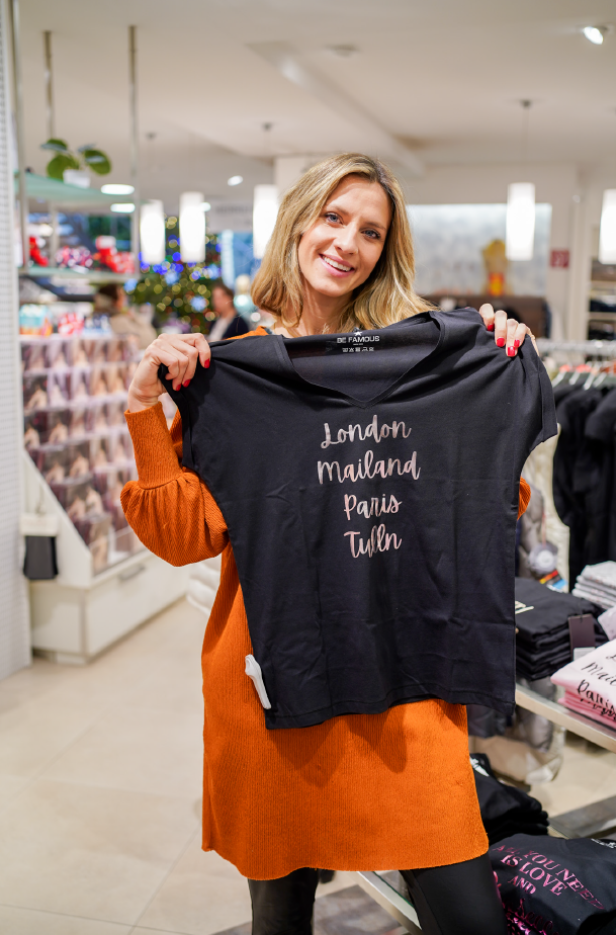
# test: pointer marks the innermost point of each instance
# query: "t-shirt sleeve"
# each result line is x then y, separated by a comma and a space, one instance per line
538, 402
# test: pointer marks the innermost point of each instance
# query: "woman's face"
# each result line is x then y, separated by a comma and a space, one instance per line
223, 303
338, 253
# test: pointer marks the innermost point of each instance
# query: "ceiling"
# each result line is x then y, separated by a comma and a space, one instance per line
442, 80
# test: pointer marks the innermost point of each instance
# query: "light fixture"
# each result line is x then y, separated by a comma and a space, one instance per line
115, 189
192, 227
520, 222
235, 180
264, 214
123, 207
520, 236
607, 233
595, 34
152, 233
205, 206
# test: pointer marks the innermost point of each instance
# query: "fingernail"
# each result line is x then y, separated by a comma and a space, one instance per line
490, 326
207, 364
500, 342
516, 343
511, 352
186, 383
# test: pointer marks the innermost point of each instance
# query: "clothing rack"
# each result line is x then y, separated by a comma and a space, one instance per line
605, 349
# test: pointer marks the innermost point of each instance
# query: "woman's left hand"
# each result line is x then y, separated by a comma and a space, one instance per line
508, 333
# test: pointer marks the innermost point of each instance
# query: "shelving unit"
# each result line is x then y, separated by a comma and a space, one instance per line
79, 458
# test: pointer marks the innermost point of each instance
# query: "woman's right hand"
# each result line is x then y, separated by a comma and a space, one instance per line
178, 352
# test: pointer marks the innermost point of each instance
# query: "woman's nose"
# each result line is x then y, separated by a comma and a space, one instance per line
346, 240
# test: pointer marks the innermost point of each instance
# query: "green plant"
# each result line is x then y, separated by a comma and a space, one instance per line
86, 157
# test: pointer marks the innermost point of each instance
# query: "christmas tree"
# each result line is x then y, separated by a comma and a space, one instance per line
180, 292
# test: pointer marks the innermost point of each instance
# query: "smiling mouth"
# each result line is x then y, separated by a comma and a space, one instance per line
336, 264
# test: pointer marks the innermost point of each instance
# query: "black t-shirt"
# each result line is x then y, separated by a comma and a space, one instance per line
556, 886
369, 483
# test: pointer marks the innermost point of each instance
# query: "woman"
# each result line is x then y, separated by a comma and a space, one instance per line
228, 323
342, 794
111, 300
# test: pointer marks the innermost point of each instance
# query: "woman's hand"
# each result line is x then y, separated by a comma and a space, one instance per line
180, 353
508, 333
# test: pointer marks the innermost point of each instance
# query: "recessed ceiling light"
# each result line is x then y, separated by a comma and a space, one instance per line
116, 189
123, 208
594, 34
235, 180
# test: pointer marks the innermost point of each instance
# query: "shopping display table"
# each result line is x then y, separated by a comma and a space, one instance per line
387, 888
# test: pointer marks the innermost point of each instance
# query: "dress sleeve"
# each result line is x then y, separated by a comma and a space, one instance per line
524, 497
171, 510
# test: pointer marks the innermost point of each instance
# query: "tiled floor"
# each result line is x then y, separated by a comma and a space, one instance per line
100, 776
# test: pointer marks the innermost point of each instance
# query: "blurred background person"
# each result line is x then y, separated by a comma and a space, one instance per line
111, 300
228, 323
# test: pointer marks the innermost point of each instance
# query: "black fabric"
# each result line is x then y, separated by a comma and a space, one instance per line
584, 476
458, 899
505, 810
40, 559
237, 327
350, 612
551, 885
284, 906
542, 622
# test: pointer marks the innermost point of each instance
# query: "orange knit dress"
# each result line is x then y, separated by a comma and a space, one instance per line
358, 792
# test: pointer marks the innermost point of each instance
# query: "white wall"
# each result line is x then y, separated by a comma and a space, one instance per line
14, 616
556, 184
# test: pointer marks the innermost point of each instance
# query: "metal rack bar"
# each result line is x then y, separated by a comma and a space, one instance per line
605, 349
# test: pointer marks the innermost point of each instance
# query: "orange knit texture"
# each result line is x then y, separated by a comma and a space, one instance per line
359, 792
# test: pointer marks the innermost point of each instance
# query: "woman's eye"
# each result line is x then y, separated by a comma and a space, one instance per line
374, 235
330, 216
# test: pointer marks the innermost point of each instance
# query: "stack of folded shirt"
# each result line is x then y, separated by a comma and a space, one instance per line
505, 810
590, 684
598, 583
556, 886
543, 643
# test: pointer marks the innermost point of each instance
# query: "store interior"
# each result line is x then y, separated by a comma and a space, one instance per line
144, 152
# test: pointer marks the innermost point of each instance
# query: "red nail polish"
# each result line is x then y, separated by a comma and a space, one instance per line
500, 342
510, 352
516, 343
186, 383
207, 363
490, 326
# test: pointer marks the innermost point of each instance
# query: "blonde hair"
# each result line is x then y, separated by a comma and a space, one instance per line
386, 296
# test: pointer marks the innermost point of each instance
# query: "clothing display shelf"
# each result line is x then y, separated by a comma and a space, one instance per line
78, 458
596, 820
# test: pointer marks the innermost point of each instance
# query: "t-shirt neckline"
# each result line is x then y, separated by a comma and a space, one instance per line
287, 364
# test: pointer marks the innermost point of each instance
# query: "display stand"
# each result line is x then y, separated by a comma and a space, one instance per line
388, 889
79, 614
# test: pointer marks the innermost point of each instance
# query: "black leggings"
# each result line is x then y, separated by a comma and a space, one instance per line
459, 899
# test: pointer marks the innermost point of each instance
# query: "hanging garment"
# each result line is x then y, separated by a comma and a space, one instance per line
572, 478
371, 496
550, 885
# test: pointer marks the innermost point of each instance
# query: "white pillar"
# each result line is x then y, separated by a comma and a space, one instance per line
14, 615
579, 274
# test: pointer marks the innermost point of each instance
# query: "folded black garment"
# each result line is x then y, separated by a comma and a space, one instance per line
557, 886
540, 611
505, 810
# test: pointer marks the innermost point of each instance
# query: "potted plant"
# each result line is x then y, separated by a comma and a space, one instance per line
73, 166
